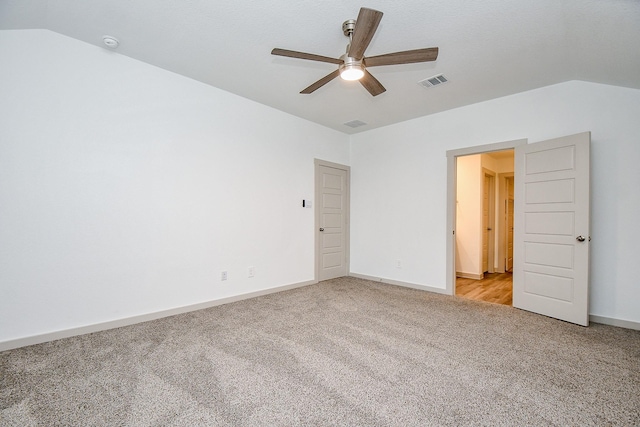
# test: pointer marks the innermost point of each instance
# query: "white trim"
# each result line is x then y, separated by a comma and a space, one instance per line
451, 225
399, 283
127, 321
451, 200
486, 148
628, 324
474, 276
52, 336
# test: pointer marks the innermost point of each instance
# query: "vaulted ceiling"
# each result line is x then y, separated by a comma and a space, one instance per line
488, 48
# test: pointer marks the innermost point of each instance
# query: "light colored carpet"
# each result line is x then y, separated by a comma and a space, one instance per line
343, 352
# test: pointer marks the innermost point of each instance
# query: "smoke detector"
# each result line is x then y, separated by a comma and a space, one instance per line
110, 42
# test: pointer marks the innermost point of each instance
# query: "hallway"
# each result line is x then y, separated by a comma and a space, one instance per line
495, 287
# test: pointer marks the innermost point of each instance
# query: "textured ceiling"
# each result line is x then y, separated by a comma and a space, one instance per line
488, 49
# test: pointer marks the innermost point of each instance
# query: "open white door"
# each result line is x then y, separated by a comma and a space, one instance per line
551, 249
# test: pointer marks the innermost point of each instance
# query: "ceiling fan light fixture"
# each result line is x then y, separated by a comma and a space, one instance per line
351, 73
351, 69
353, 64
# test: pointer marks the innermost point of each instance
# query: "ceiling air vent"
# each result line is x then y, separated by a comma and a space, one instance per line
355, 123
433, 81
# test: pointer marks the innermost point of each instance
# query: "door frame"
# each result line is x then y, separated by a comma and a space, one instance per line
452, 156
316, 201
491, 220
502, 220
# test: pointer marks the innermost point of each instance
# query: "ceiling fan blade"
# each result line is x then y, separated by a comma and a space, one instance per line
303, 55
366, 26
323, 81
406, 57
372, 84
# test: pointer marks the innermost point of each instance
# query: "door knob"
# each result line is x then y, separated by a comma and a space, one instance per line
580, 239
322, 229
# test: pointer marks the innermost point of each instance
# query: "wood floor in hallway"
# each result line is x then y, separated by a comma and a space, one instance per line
495, 287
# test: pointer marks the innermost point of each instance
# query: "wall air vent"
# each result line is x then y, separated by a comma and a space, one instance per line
433, 81
355, 123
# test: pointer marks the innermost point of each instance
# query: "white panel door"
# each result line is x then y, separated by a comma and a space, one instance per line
551, 249
333, 201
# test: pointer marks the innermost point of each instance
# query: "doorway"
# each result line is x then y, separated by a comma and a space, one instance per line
482, 246
481, 258
550, 224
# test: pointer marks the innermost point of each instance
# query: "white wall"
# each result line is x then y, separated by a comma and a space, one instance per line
399, 178
469, 194
497, 165
126, 189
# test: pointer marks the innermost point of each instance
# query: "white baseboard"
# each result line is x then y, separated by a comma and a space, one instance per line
118, 323
97, 327
628, 324
399, 283
473, 276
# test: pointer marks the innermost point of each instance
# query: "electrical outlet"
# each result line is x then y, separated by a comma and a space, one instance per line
223, 276
252, 271
398, 263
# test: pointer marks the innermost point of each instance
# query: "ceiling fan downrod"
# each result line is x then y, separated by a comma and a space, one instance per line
351, 68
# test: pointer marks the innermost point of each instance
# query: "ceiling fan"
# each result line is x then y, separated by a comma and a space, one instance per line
353, 64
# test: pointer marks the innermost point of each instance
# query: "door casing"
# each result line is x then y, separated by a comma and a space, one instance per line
489, 181
503, 197
451, 200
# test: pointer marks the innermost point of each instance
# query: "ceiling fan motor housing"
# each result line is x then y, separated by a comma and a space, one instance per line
348, 26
